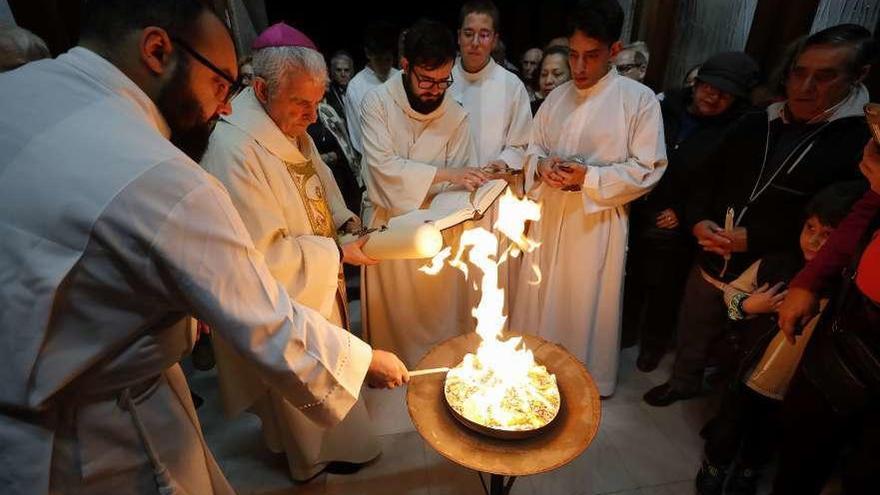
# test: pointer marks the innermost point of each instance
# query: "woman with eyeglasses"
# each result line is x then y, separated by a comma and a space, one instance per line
553, 71
660, 247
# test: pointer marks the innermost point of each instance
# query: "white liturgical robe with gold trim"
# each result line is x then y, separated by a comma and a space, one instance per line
292, 208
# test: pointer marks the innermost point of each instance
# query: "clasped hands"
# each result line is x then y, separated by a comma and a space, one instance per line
719, 241
559, 173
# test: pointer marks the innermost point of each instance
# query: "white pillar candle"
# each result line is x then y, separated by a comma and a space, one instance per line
404, 242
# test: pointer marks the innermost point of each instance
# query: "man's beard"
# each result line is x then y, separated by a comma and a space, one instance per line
423, 107
177, 103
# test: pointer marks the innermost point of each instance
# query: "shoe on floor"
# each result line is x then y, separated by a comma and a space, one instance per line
742, 481
664, 395
710, 479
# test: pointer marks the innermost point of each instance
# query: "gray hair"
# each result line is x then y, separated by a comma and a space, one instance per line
19, 46
342, 55
275, 63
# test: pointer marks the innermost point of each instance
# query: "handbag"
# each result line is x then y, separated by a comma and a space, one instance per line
843, 361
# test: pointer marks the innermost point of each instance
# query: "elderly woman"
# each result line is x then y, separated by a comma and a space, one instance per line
553, 71
292, 209
694, 121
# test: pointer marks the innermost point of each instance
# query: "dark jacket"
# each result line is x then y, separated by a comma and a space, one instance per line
807, 158
689, 142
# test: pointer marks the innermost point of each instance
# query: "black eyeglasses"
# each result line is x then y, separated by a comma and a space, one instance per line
430, 83
235, 85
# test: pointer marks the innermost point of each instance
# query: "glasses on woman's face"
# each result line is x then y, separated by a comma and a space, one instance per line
225, 91
427, 83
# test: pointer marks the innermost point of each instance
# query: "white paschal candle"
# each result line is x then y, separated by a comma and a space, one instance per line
405, 242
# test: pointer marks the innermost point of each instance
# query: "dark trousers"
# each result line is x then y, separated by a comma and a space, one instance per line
656, 271
702, 321
747, 424
814, 437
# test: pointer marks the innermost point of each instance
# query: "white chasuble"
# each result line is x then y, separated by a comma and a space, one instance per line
615, 128
292, 208
109, 238
404, 310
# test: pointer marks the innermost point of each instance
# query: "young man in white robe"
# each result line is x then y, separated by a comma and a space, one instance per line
379, 43
416, 142
597, 144
110, 236
498, 109
292, 208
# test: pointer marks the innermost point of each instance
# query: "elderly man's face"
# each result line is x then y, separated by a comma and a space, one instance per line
817, 81
293, 105
530, 60
341, 70
476, 40
628, 67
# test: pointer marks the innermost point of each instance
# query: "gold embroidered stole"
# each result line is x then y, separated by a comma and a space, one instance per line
311, 190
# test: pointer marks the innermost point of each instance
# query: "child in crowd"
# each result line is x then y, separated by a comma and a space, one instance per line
743, 431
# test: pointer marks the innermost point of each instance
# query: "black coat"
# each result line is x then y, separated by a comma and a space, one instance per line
808, 159
686, 152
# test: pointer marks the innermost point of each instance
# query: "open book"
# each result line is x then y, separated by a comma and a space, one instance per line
450, 208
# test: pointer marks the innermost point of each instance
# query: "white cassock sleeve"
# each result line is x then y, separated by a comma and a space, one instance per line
514, 150
335, 200
307, 265
206, 251
393, 182
616, 184
539, 147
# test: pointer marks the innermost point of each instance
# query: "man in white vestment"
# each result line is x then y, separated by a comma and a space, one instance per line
111, 235
498, 109
292, 209
379, 43
416, 141
495, 99
597, 144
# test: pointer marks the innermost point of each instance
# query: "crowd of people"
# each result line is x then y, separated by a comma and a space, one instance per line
149, 176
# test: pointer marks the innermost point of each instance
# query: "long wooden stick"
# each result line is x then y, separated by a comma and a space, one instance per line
428, 371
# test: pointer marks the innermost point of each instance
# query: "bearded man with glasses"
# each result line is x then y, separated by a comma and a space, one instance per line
110, 238
416, 141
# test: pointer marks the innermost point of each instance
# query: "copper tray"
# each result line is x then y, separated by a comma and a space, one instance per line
574, 427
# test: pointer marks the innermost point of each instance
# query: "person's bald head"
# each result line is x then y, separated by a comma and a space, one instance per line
19, 46
177, 51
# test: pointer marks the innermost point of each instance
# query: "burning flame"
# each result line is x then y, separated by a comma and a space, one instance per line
437, 262
499, 367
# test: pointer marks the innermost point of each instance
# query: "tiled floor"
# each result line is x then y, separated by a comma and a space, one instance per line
640, 450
